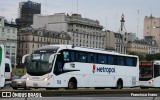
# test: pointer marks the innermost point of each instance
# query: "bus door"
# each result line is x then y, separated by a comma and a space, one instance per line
156, 74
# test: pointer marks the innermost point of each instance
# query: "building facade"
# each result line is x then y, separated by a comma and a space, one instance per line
153, 46
83, 31
30, 39
26, 12
138, 46
110, 40
8, 37
117, 41
149, 30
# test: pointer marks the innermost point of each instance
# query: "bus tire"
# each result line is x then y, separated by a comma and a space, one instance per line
119, 84
144, 87
14, 88
52, 89
99, 88
72, 84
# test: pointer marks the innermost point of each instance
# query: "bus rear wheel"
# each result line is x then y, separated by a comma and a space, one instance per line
119, 84
72, 84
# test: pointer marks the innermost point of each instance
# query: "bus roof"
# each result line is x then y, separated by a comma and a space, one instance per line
157, 62
88, 49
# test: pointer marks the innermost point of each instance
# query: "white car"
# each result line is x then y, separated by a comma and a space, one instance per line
19, 83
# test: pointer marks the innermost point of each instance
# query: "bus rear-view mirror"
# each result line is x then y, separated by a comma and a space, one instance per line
24, 58
52, 57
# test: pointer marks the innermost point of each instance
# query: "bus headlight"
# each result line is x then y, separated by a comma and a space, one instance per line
46, 79
27, 78
151, 81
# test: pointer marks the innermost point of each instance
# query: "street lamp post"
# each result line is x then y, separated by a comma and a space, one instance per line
156, 27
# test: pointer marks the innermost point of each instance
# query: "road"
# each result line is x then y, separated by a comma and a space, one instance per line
85, 94
87, 98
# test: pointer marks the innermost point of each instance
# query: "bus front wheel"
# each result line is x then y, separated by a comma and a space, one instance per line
72, 84
119, 84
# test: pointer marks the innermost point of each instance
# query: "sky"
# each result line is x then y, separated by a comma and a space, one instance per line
107, 12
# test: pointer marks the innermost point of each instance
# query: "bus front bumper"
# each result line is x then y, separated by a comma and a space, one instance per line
36, 84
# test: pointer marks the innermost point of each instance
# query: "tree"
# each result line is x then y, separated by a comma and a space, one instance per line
141, 56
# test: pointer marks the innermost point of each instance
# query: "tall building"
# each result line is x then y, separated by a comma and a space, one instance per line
83, 31
26, 12
8, 37
149, 30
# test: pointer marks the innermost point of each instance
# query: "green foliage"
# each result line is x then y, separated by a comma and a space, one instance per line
19, 71
151, 57
141, 56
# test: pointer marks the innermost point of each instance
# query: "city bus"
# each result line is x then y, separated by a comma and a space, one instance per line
67, 66
2, 78
149, 74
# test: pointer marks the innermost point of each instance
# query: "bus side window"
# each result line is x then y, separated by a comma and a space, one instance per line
66, 55
129, 61
7, 68
72, 56
121, 60
101, 59
91, 58
83, 57
134, 61
111, 59
59, 64
94, 58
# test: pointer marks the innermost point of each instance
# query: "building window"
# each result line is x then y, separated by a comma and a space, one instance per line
2, 29
33, 39
13, 30
8, 30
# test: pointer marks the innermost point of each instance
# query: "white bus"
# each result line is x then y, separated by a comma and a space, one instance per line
2, 78
66, 66
150, 75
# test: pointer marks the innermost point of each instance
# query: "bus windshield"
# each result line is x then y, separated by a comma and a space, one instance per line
145, 73
156, 71
39, 64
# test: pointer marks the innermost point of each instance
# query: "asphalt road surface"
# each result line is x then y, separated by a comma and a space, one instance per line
86, 98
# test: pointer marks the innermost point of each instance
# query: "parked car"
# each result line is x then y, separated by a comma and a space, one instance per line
19, 83
15, 77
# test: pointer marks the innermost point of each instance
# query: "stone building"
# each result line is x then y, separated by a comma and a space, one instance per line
8, 37
83, 31
30, 39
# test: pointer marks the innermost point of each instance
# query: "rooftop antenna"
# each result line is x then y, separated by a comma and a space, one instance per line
77, 6
106, 23
151, 22
45, 7
137, 24
72, 7
116, 23
2, 11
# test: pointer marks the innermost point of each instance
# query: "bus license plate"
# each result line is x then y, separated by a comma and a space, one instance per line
35, 85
